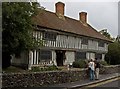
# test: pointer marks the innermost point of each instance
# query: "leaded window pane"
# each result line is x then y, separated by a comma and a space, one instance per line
84, 41
101, 44
80, 55
45, 55
49, 36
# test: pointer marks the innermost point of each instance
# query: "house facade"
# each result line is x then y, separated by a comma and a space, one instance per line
64, 40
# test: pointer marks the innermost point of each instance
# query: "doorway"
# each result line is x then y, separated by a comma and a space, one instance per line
60, 57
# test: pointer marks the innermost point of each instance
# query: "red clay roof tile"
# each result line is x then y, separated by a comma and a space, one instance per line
51, 20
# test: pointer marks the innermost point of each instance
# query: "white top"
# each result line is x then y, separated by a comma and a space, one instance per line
92, 65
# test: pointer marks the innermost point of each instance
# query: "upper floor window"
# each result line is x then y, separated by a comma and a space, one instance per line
84, 41
101, 44
49, 36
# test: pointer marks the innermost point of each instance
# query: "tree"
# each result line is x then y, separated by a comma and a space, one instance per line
113, 55
118, 38
106, 34
16, 28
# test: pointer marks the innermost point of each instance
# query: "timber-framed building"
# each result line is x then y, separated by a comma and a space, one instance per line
65, 39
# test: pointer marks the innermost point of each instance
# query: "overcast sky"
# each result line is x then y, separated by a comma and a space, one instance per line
101, 15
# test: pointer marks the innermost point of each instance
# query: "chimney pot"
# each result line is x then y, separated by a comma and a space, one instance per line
83, 17
60, 8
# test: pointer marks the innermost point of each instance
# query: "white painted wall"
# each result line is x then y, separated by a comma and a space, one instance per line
88, 55
93, 45
91, 55
65, 41
30, 60
103, 57
54, 57
70, 57
84, 46
23, 59
106, 47
101, 48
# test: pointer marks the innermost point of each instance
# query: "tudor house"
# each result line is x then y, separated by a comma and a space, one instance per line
65, 39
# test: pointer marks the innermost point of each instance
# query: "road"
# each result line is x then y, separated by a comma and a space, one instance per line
111, 84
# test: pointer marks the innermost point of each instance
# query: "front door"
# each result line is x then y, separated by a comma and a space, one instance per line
60, 57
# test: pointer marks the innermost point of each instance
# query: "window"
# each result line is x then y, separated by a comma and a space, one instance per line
98, 56
84, 41
80, 55
45, 55
101, 44
49, 36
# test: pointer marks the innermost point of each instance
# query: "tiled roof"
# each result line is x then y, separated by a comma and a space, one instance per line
63, 23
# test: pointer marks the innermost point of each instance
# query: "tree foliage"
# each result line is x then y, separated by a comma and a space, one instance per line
113, 55
118, 38
106, 34
17, 27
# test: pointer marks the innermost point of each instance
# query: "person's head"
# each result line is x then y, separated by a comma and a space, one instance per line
96, 61
95, 58
88, 60
91, 59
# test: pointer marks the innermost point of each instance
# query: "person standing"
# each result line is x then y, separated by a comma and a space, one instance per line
97, 69
91, 66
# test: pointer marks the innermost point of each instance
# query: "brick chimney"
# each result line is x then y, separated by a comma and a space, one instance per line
83, 17
60, 8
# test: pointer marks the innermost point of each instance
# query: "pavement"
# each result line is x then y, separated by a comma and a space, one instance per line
86, 82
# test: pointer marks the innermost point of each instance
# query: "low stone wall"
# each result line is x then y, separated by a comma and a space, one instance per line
110, 69
47, 78
41, 79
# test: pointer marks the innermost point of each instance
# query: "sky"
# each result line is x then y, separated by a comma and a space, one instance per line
101, 14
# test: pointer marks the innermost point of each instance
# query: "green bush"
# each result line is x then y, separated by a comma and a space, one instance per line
50, 68
35, 69
46, 68
79, 64
13, 69
104, 63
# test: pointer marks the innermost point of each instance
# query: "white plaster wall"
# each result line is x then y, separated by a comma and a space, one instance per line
106, 47
88, 55
54, 57
92, 44
84, 46
101, 48
23, 59
91, 55
70, 57
103, 57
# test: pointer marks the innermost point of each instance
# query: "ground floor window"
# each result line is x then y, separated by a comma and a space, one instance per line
80, 55
98, 56
44, 55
